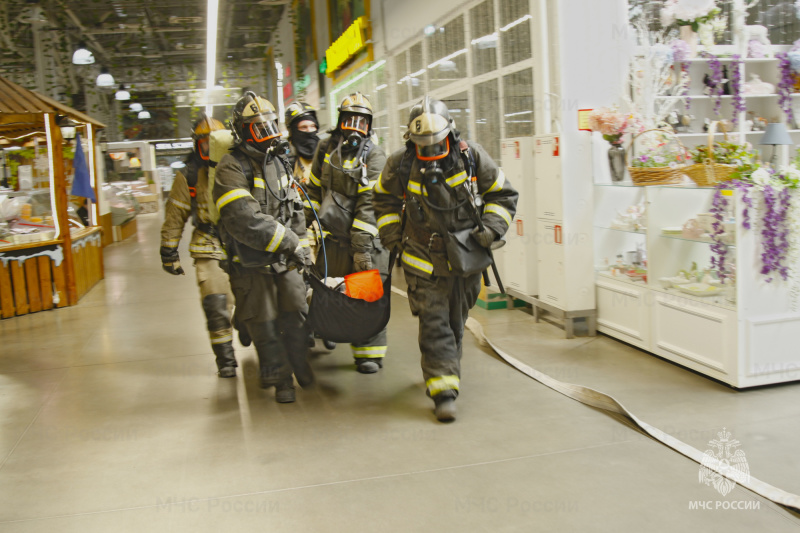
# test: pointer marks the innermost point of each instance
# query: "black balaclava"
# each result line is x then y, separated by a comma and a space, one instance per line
305, 142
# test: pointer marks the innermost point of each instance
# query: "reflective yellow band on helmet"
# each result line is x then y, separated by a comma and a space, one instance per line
367, 187
391, 218
365, 226
311, 204
259, 183
314, 180
498, 184
369, 352
230, 196
418, 263
222, 340
172, 243
277, 237
417, 188
180, 204
458, 179
304, 243
439, 384
379, 185
500, 211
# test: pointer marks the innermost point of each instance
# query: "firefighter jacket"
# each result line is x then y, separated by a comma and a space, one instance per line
324, 178
179, 208
422, 232
250, 215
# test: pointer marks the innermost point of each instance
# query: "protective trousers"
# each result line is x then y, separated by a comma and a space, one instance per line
217, 300
340, 263
271, 307
442, 305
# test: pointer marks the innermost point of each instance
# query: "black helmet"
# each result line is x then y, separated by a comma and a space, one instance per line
355, 114
297, 111
429, 125
255, 122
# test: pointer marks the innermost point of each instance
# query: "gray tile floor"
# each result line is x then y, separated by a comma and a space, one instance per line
113, 420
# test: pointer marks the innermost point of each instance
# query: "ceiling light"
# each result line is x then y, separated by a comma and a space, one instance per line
211, 50
105, 79
143, 114
82, 55
122, 94
177, 164
136, 107
135, 162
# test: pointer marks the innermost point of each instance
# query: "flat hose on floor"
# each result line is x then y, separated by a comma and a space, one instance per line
603, 401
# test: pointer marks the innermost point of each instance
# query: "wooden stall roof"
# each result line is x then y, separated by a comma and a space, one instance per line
23, 110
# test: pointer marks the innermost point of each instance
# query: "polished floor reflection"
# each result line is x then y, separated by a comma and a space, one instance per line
113, 420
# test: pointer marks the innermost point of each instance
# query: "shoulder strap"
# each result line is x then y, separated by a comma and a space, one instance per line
406, 163
247, 166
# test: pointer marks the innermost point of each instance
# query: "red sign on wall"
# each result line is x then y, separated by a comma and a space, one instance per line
558, 237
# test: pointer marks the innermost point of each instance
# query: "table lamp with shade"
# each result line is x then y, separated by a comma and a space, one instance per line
775, 135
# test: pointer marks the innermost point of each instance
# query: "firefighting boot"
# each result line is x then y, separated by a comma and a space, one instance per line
445, 409
284, 391
368, 366
273, 366
226, 362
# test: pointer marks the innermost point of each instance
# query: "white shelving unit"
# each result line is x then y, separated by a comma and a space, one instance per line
745, 337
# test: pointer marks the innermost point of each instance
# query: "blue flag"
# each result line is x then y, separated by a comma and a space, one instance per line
81, 186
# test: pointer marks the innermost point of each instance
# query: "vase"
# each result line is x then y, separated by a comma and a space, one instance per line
616, 161
689, 36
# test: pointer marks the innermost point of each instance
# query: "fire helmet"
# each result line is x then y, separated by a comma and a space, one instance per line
255, 121
355, 114
429, 126
201, 129
298, 111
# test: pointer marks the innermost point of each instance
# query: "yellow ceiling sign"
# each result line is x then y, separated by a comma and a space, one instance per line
349, 44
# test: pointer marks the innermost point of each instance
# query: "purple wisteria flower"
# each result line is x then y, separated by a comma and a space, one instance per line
785, 86
736, 88
719, 250
716, 84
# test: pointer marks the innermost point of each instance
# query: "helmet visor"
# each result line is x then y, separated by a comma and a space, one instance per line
357, 123
264, 131
202, 148
434, 151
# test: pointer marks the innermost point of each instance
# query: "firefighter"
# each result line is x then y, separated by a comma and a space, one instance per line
262, 228
187, 199
301, 121
452, 188
345, 169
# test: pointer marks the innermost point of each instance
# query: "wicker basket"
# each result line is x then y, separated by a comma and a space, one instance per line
657, 175
710, 172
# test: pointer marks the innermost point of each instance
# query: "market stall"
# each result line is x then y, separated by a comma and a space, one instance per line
47, 258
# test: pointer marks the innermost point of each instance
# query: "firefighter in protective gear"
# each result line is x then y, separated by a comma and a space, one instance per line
262, 228
344, 171
301, 121
442, 179
187, 199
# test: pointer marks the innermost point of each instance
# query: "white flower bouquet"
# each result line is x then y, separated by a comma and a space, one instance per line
689, 12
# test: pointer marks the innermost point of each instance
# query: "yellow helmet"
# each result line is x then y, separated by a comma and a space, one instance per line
201, 129
255, 121
355, 113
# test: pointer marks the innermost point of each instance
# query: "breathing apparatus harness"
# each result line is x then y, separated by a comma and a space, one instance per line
191, 175
362, 146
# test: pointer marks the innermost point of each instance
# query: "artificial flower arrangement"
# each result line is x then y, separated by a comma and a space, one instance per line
725, 153
613, 124
660, 151
769, 192
689, 13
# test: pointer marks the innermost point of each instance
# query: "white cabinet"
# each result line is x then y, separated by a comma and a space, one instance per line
745, 337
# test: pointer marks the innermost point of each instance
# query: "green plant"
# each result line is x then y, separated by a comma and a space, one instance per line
726, 153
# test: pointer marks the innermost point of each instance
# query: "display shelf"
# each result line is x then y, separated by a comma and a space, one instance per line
636, 231
630, 185
621, 278
681, 238
718, 300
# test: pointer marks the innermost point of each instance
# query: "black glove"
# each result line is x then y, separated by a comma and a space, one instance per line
297, 259
485, 236
362, 261
170, 261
